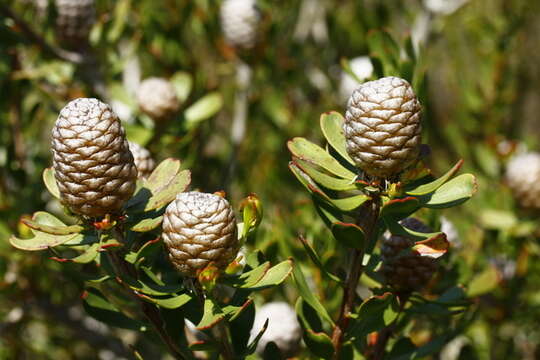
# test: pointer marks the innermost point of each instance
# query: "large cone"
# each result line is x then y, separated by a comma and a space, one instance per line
74, 21
199, 228
523, 178
239, 21
382, 126
93, 166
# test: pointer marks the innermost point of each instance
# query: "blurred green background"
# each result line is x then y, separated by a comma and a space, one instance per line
477, 75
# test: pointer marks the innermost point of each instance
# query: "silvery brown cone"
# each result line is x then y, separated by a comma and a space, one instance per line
239, 22
74, 21
382, 126
143, 160
93, 166
199, 229
403, 268
157, 98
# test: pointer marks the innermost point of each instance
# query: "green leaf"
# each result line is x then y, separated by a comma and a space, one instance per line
318, 342
426, 188
306, 294
332, 128
484, 282
50, 182
253, 344
308, 151
273, 276
101, 309
203, 109
233, 312
147, 224
252, 213
162, 186
53, 230
374, 314
250, 278
452, 193
317, 261
404, 349
349, 203
398, 209
148, 249
383, 46
212, 314
88, 255
168, 303
119, 20
328, 181
349, 235
41, 241
182, 83
498, 219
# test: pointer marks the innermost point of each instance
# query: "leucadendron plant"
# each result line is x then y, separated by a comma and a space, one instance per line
367, 183
153, 255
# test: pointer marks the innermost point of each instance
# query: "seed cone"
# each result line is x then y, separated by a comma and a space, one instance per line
143, 160
404, 268
382, 126
74, 21
283, 328
93, 166
239, 21
157, 98
523, 178
199, 228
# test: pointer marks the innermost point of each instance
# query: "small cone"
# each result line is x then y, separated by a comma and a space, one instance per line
157, 98
239, 21
199, 229
143, 160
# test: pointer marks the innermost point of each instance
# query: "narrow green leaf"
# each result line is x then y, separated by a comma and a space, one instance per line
102, 310
164, 196
308, 151
328, 181
147, 224
174, 302
88, 255
182, 83
233, 312
252, 346
398, 209
332, 128
203, 109
430, 187
316, 340
212, 314
349, 235
350, 203
306, 294
374, 314
484, 282
53, 230
274, 276
41, 241
452, 193
50, 182
317, 261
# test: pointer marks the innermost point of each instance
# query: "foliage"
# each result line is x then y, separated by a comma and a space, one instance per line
62, 294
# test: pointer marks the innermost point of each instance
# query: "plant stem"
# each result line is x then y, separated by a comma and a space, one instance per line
150, 311
367, 220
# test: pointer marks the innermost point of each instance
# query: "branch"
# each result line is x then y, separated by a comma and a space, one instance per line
150, 311
368, 223
62, 54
